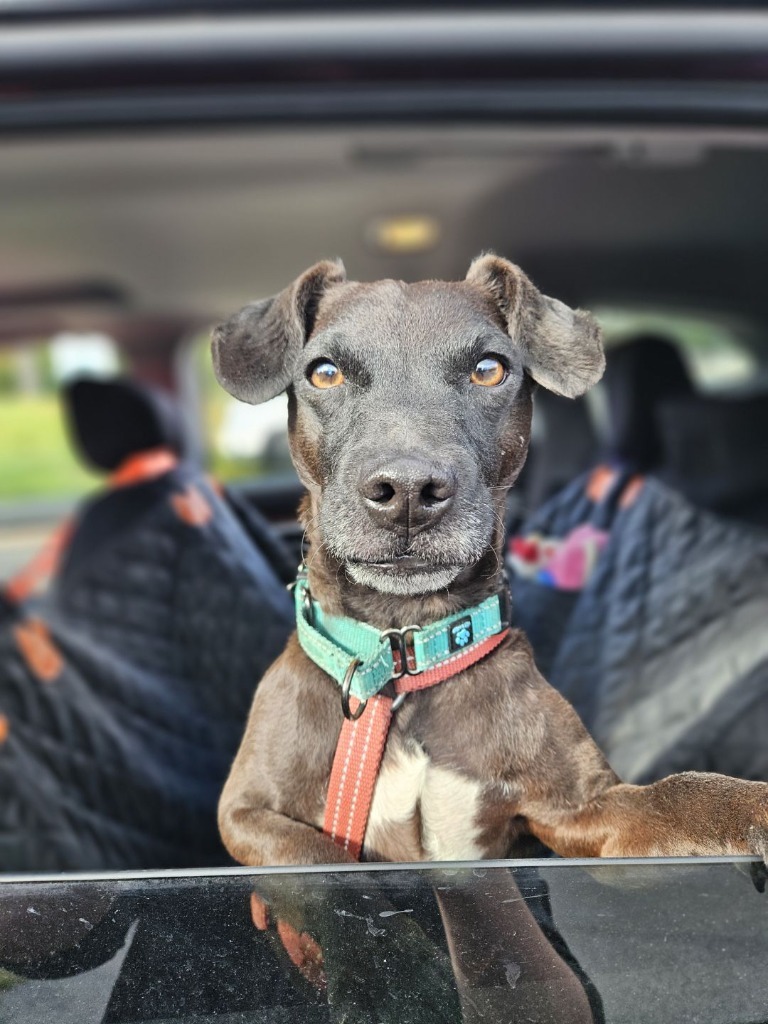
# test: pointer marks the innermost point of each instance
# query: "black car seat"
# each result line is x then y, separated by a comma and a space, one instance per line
564, 444
640, 376
711, 449
123, 701
662, 650
715, 453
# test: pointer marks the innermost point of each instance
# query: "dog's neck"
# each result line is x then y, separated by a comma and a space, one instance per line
339, 595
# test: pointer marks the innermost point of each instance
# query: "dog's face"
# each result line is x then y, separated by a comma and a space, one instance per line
410, 406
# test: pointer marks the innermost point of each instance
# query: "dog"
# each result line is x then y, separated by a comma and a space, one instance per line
409, 420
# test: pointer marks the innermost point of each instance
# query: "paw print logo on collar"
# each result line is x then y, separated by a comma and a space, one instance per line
460, 634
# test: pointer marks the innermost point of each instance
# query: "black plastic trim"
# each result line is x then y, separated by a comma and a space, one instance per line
376, 867
664, 67
26, 11
568, 103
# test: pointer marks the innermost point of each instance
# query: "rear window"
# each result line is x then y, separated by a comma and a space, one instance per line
41, 477
717, 359
241, 441
36, 458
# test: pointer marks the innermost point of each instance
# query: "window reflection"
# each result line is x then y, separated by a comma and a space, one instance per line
550, 941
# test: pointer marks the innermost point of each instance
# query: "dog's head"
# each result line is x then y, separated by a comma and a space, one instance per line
409, 405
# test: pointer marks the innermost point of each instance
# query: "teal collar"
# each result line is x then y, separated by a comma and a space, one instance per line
363, 659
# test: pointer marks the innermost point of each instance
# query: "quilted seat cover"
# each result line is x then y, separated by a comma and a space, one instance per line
123, 708
664, 653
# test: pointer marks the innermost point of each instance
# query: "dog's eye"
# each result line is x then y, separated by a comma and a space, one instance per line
489, 372
325, 374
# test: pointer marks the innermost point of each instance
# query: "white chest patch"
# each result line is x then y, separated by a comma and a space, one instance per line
444, 802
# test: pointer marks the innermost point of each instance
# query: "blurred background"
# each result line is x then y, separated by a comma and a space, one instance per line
163, 164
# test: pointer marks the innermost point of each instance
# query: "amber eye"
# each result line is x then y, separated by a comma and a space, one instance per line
326, 374
489, 372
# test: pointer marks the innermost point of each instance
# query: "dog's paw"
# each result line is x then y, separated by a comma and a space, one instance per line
757, 840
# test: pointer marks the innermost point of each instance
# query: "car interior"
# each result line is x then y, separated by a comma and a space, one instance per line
148, 522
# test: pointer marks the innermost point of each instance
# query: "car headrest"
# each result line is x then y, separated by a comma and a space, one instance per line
714, 448
564, 444
639, 375
110, 420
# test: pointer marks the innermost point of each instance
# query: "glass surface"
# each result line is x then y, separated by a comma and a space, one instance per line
653, 941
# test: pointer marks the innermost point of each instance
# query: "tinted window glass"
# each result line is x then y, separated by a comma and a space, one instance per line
641, 942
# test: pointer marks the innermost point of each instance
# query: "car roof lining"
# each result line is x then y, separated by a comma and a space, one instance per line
188, 225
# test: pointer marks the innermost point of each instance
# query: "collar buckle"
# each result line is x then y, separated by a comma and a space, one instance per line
403, 652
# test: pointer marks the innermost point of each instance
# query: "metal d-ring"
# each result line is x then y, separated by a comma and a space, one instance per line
301, 573
306, 604
349, 714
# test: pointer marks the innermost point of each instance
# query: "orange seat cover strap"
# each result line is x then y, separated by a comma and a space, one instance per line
42, 566
143, 466
135, 469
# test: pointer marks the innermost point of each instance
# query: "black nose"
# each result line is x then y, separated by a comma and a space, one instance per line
407, 493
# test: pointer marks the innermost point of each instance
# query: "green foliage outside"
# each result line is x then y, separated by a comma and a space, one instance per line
36, 458
8, 371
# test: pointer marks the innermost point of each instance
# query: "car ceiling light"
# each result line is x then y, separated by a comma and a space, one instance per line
408, 233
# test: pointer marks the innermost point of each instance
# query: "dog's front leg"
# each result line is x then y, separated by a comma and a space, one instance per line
272, 803
260, 837
375, 962
377, 966
693, 814
571, 800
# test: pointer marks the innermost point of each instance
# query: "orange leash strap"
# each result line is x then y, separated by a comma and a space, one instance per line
360, 749
353, 776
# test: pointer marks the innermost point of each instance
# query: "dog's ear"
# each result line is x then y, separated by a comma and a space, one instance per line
562, 348
255, 351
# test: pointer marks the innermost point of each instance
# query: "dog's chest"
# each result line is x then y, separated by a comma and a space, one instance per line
421, 811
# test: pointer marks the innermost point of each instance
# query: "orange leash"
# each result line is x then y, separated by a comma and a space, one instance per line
361, 745
353, 776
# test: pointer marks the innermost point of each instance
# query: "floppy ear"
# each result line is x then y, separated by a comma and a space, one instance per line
562, 348
255, 351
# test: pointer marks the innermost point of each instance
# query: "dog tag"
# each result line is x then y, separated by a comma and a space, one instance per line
460, 634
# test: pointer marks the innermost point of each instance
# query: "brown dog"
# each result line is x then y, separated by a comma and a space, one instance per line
409, 418
409, 415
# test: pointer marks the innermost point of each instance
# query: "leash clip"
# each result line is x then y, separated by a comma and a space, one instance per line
403, 653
